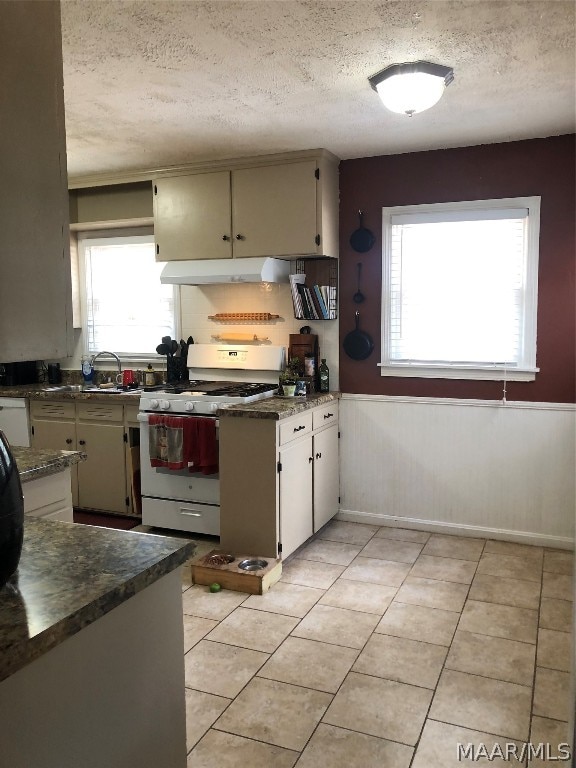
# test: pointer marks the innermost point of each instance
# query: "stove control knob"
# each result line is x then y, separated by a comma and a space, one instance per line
213, 407
154, 404
165, 405
189, 405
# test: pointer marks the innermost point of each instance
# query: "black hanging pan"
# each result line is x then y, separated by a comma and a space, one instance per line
362, 239
357, 344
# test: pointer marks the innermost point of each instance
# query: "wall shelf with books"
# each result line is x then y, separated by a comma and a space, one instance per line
314, 286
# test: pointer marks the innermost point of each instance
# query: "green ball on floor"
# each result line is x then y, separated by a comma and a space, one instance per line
215, 587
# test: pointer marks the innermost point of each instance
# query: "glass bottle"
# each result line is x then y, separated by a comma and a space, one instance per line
324, 376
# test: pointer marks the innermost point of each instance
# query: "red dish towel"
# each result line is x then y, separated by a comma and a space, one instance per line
166, 439
201, 445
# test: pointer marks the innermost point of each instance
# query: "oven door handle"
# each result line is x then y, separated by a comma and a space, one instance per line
143, 417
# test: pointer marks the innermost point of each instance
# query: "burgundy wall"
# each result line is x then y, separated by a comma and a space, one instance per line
544, 167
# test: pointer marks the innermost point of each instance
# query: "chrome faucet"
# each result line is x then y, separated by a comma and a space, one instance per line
111, 354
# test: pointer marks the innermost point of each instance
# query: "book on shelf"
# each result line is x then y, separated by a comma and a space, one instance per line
316, 302
321, 303
295, 281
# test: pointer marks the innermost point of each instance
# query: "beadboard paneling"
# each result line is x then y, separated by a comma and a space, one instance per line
460, 466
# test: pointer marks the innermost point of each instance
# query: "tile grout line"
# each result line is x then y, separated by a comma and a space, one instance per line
427, 717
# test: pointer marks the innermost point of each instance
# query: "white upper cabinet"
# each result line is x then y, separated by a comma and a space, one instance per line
287, 209
35, 283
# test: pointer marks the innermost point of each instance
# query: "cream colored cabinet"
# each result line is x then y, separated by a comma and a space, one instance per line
274, 210
192, 217
278, 480
280, 209
102, 477
53, 425
35, 287
101, 482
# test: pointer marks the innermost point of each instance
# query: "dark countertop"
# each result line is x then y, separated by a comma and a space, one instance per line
269, 408
41, 462
71, 575
44, 392
278, 407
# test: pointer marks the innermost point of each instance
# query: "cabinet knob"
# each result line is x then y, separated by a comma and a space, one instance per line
240, 237
318, 455
225, 237
310, 459
68, 441
328, 415
297, 429
81, 442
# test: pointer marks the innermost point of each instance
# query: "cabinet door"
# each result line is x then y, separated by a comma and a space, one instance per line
274, 210
59, 435
326, 484
192, 217
295, 495
35, 287
102, 477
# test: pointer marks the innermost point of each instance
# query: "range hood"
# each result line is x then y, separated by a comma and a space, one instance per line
210, 271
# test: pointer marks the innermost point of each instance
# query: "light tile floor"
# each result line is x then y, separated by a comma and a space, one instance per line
381, 648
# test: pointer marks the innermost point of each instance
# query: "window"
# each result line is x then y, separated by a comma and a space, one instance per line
459, 289
126, 309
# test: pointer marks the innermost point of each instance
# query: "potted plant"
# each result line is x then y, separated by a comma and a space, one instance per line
289, 376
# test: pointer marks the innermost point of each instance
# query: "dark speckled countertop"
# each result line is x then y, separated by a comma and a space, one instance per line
269, 408
41, 462
45, 392
278, 407
71, 575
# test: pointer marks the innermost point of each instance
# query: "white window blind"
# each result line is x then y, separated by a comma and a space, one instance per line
459, 289
127, 309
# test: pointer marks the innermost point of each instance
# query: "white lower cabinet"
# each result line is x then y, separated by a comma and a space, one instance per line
49, 497
295, 494
326, 480
279, 480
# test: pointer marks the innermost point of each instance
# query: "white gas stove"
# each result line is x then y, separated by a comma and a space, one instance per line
220, 374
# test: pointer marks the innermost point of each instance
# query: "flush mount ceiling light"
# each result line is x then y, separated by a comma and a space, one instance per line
412, 87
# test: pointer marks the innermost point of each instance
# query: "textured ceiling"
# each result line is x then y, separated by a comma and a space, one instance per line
153, 83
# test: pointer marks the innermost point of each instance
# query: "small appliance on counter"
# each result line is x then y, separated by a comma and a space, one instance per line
12, 374
11, 513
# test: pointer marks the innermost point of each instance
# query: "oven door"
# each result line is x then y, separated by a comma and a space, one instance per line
180, 485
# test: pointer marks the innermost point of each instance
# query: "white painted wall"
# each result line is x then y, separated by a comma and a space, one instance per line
473, 467
198, 302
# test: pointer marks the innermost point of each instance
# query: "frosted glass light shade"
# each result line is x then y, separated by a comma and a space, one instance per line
411, 88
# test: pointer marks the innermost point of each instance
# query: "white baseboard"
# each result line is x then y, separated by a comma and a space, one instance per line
431, 526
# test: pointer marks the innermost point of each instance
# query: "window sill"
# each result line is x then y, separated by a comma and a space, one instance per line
491, 373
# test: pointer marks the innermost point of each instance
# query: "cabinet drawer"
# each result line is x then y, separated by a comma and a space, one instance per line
51, 410
295, 427
181, 516
100, 412
325, 415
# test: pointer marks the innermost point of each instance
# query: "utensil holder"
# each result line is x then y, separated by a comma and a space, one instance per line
176, 370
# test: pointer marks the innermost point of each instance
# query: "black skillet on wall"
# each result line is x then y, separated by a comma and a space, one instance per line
362, 239
357, 344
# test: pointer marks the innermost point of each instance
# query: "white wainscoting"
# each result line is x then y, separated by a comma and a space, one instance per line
472, 467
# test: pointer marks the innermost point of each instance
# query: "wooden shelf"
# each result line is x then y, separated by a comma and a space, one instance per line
319, 273
232, 317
